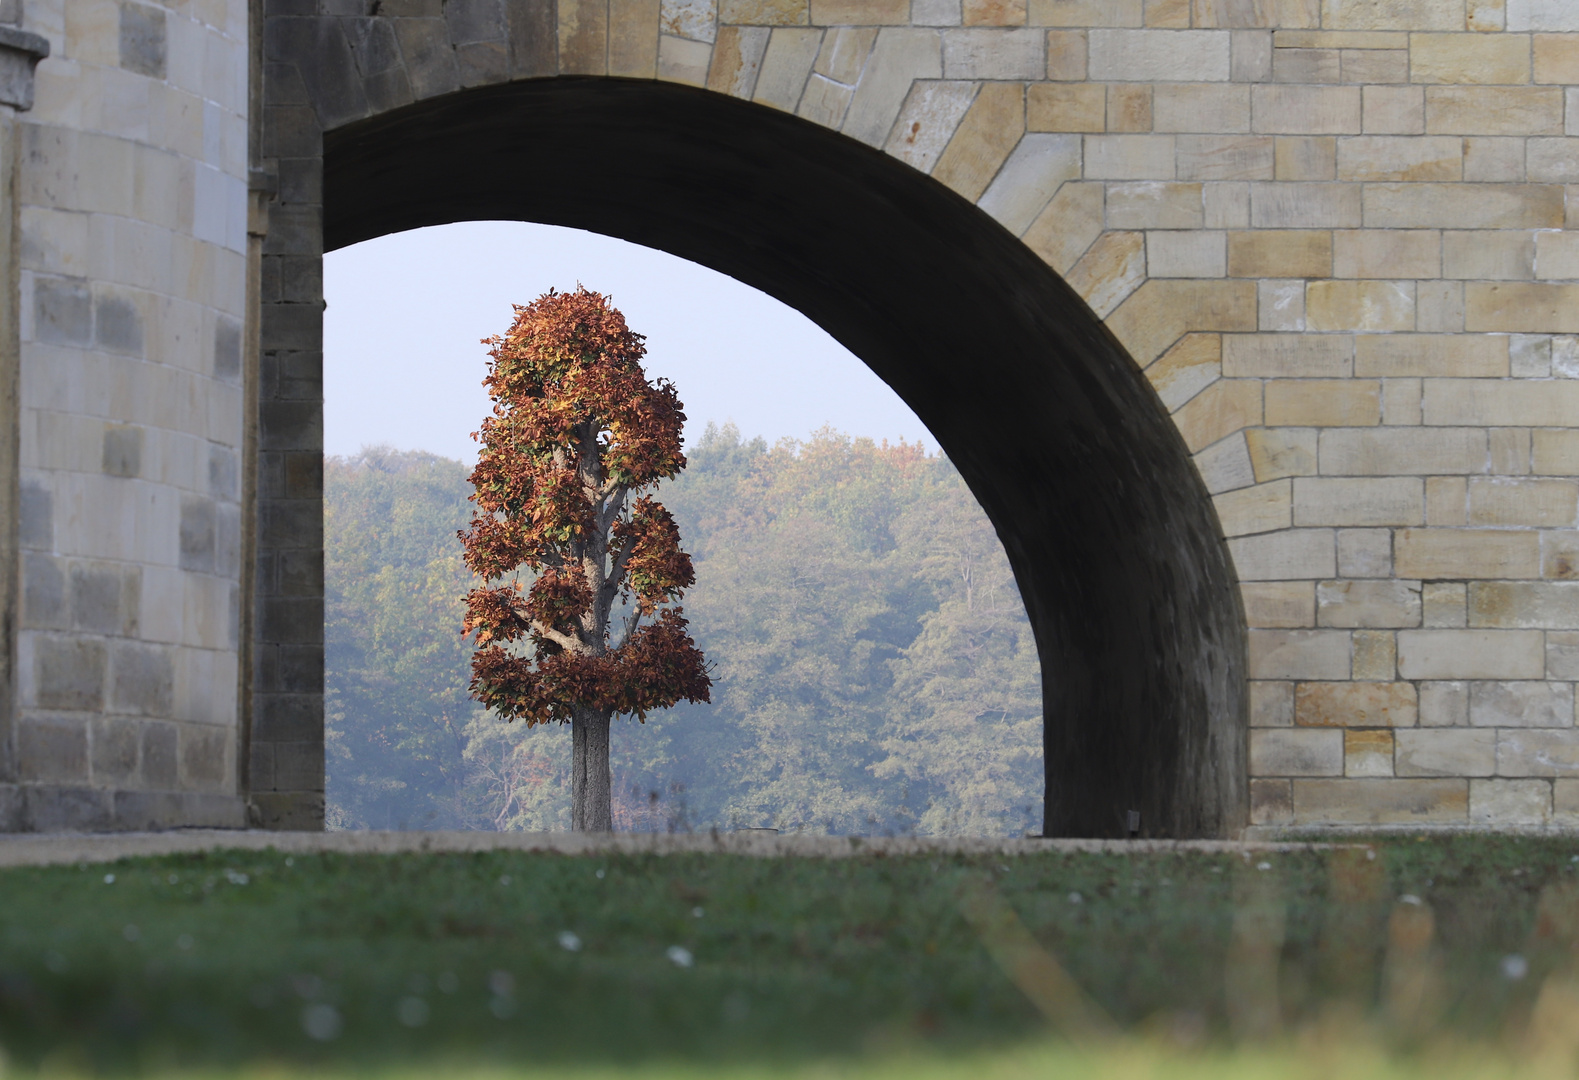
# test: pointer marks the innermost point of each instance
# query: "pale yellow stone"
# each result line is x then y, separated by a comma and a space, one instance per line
1426, 752
1397, 157
844, 52
1358, 502
1225, 157
1306, 205
1556, 58
1370, 66
824, 102
1228, 405
1428, 355
633, 38
1285, 752
763, 12
1520, 308
1368, 604
1066, 107
786, 65
927, 121
1402, 451
1066, 56
1502, 501
1339, 39
583, 37
991, 13
1278, 253
1510, 451
1356, 704
1129, 157
1468, 59
984, 139
1360, 305
1368, 753
1186, 369
737, 59
1280, 452
1323, 403
1488, 254
1129, 13
1493, 110
1068, 226
1160, 312
1168, 14
1485, 16
1375, 656
1305, 110
1112, 269
1392, 14
1386, 253
1277, 605
1155, 205
1248, 14
1305, 157
1259, 509
1128, 110
682, 60
1288, 356
1187, 253
1298, 654
1555, 452
1201, 108
1393, 110
1401, 401
1380, 801
1560, 555
1466, 553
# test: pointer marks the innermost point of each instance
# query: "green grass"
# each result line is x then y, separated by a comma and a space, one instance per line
862, 966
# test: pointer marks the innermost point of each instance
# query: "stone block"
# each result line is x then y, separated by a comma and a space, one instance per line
62, 311
68, 673
1560, 555
51, 750
1259, 509
1538, 753
1380, 801
1078, 107
1228, 405
144, 44
1323, 403
1354, 704
1154, 205
994, 53
1431, 206
1305, 157
1489, 159
122, 450
1493, 110
1401, 401
1225, 465
1553, 161
1306, 206
1546, 605
1555, 452
633, 39
1512, 403
1374, 656
1471, 654
824, 102
1467, 553
1444, 603
901, 56
1036, 169
1360, 305
990, 130
1274, 253
1256, 13
1086, 13
117, 324
860, 12
1392, 110
1224, 157
1251, 56
1129, 157
1201, 108
142, 679
114, 751
1393, 157
737, 59
1562, 655
1305, 110
763, 12
159, 758
1401, 452
1557, 255
1522, 308
1299, 654
927, 121
1469, 59
1486, 254
1506, 501
1159, 55
1295, 554
1359, 604
1510, 802
1108, 273
1431, 355
1444, 704
1445, 752
1271, 704
1068, 225
786, 65
1066, 56
1283, 452
1565, 801
1370, 66
937, 13
1292, 752
1556, 58
1306, 66
1128, 108
1193, 253
1278, 605
1287, 356
1271, 802
1367, 753
1280, 305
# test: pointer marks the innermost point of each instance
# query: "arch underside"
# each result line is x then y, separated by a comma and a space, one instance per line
1109, 528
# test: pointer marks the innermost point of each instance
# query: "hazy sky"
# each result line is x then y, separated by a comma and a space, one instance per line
403, 367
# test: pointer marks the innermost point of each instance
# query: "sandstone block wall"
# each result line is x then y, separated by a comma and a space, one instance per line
130, 210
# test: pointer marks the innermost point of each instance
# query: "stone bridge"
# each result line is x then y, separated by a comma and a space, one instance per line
1253, 324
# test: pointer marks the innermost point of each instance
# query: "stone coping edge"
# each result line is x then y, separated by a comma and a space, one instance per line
53, 849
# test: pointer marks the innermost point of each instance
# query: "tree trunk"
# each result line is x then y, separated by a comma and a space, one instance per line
591, 796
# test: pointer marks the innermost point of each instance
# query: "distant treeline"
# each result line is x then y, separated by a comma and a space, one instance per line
873, 669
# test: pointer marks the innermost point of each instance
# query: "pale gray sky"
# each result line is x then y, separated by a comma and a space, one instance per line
403, 367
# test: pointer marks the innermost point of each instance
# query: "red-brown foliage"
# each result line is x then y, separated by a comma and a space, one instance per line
577, 430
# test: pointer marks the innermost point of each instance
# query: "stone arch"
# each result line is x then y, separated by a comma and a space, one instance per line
1108, 526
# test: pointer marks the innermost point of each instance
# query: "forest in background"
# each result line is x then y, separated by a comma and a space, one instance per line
873, 669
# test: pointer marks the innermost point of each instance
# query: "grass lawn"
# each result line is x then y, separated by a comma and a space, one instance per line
717, 965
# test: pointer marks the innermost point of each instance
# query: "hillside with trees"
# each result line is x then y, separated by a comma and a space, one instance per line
873, 670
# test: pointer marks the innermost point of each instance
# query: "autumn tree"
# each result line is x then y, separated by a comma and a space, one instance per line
577, 437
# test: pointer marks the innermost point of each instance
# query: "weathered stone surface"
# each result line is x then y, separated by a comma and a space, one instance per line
1471, 654
1287, 356
1271, 802
1159, 56
1160, 312
1283, 452
1277, 605
1467, 553
1291, 752
1445, 752
1192, 365
1355, 604
1068, 225
1538, 753
1367, 753
1522, 308
1299, 654
1026, 182
1264, 508
1381, 801
1401, 355
1324, 403
1400, 451
1521, 704
1355, 704
1113, 268
1510, 802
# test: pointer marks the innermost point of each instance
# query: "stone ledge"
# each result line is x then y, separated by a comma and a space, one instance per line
20, 52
